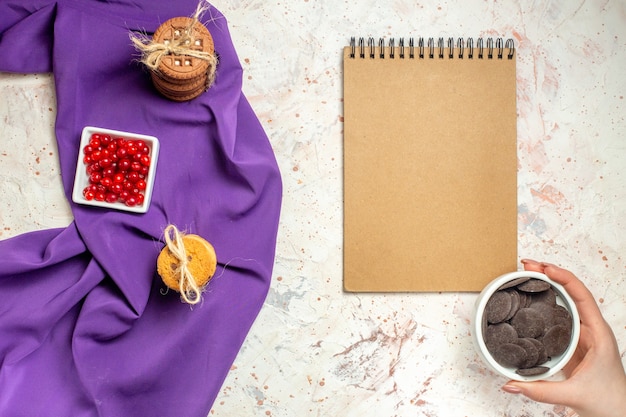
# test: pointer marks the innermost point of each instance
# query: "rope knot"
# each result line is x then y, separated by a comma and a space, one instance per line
189, 290
183, 43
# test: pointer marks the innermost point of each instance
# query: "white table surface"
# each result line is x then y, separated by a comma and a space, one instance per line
315, 350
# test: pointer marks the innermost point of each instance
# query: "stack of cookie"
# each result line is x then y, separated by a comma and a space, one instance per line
184, 75
186, 264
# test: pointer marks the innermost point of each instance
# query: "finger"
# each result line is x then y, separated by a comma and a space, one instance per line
530, 265
544, 391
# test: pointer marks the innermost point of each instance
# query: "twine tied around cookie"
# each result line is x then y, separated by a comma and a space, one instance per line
152, 52
189, 290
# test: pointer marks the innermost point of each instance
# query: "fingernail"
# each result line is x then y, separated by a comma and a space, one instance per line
512, 389
525, 261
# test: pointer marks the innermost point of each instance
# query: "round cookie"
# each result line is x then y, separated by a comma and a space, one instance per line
201, 262
178, 95
198, 84
186, 67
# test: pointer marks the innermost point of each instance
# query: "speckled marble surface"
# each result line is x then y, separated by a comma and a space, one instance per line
315, 350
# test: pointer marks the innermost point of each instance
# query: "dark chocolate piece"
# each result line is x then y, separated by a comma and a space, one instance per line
534, 285
498, 307
532, 353
557, 339
548, 297
510, 354
514, 283
528, 323
535, 370
498, 334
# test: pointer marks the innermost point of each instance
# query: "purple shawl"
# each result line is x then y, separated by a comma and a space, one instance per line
84, 327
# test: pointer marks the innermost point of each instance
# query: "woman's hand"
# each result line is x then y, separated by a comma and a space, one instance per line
595, 384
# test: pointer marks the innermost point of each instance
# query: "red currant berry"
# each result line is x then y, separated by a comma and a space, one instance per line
117, 188
106, 162
131, 200
118, 178
99, 196
135, 166
123, 165
132, 176
124, 195
128, 186
131, 149
112, 147
141, 184
95, 141
108, 172
88, 149
95, 177
94, 167
145, 160
111, 197
106, 182
105, 139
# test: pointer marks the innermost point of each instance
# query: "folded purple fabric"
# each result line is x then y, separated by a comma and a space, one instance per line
85, 329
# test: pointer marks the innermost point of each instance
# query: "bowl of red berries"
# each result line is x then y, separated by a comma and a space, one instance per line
115, 169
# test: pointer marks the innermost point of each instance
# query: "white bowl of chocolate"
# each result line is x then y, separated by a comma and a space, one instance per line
526, 327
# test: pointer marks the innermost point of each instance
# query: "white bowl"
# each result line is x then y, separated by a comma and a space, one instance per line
81, 179
556, 363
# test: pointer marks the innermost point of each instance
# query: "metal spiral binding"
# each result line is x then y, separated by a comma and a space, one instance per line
463, 48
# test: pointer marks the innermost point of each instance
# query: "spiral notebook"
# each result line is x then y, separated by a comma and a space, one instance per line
430, 164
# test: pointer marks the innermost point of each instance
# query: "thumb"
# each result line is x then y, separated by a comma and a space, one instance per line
550, 392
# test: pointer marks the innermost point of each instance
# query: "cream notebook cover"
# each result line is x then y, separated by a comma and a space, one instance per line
430, 164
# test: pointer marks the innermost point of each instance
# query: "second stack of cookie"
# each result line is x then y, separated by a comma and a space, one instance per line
183, 77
